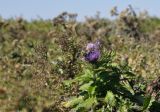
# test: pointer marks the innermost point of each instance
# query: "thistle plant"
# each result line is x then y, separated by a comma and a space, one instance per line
103, 85
128, 23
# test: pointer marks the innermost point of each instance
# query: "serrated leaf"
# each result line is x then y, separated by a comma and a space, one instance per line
86, 77
91, 90
87, 104
114, 65
100, 69
128, 87
72, 102
85, 86
110, 98
146, 102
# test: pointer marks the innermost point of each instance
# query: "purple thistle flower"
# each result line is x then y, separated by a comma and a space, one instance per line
90, 47
92, 56
93, 52
93, 46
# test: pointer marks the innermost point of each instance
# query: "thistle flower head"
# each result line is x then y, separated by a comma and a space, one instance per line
90, 46
93, 52
92, 56
93, 46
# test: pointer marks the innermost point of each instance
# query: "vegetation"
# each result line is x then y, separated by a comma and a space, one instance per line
57, 66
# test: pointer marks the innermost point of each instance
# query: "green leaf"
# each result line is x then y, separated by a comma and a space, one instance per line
110, 98
86, 77
87, 104
91, 90
128, 87
86, 86
100, 69
146, 102
72, 102
114, 65
68, 82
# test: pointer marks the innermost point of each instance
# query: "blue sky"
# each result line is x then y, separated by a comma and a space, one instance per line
47, 9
